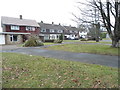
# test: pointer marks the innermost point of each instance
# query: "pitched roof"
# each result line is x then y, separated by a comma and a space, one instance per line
18, 21
51, 26
57, 27
71, 28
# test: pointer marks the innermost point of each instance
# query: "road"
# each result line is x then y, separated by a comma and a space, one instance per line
106, 60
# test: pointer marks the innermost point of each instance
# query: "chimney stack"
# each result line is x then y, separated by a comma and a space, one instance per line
20, 16
59, 24
41, 21
52, 22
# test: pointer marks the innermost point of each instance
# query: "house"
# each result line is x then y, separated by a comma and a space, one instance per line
83, 34
17, 30
71, 33
53, 31
50, 31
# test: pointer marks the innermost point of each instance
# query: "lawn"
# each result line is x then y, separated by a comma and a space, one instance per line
87, 48
27, 71
48, 43
103, 42
71, 40
88, 41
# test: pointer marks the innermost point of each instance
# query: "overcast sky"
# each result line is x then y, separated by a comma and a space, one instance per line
57, 11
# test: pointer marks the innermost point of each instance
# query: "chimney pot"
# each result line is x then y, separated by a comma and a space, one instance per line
52, 22
41, 21
20, 16
59, 24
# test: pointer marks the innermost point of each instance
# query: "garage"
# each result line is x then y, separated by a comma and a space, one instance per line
2, 39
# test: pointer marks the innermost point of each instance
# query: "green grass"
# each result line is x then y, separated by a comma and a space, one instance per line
48, 43
102, 42
27, 71
86, 48
106, 39
71, 40
87, 41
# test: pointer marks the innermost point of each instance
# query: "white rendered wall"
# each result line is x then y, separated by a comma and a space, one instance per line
2, 39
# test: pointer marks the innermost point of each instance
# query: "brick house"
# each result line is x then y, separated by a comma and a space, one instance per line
17, 30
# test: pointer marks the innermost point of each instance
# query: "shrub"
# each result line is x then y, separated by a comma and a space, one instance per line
61, 37
49, 40
103, 35
57, 41
32, 42
84, 39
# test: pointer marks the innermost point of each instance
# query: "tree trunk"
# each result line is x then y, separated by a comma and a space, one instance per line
115, 43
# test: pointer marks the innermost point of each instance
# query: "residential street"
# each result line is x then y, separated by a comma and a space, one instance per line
106, 60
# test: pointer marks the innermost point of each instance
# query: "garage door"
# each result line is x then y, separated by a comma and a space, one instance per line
2, 39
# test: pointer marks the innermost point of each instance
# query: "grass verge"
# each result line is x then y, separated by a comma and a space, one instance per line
27, 71
48, 43
71, 40
87, 48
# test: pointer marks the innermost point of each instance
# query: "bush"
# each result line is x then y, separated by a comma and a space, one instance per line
49, 40
57, 41
32, 42
103, 35
84, 39
61, 37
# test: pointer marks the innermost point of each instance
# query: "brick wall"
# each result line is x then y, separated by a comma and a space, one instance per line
19, 40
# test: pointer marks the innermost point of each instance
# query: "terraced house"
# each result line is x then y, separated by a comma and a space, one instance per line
17, 30
52, 31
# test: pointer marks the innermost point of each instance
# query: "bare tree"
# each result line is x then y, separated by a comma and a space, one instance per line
108, 10
89, 16
112, 10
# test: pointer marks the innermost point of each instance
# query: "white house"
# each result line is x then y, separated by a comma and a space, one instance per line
83, 34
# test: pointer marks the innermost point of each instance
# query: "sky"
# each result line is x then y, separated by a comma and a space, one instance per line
48, 11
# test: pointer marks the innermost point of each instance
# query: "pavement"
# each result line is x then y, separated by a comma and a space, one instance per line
106, 60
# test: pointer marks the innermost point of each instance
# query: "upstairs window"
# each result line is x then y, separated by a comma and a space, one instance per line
43, 30
52, 30
76, 31
60, 31
71, 31
13, 27
30, 28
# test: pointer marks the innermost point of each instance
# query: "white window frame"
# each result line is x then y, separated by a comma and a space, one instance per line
43, 30
46, 37
29, 28
52, 30
76, 31
60, 31
71, 31
12, 40
15, 27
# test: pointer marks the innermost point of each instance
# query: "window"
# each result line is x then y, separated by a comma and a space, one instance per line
60, 31
71, 31
30, 28
76, 31
52, 30
13, 38
15, 27
72, 35
43, 30
46, 37
52, 37
57, 36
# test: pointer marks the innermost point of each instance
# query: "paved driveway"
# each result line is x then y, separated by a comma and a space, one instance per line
106, 60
